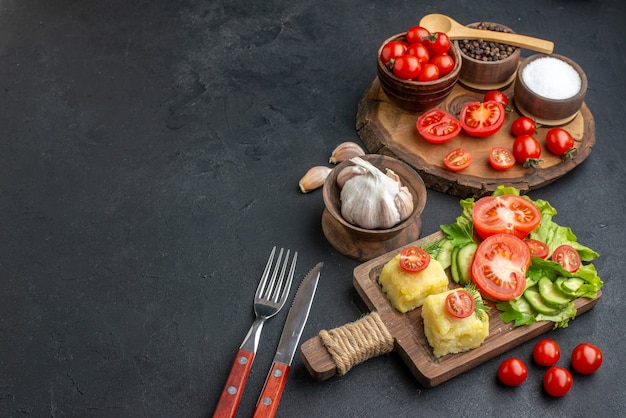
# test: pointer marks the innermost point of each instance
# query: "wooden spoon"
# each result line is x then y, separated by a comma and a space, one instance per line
454, 30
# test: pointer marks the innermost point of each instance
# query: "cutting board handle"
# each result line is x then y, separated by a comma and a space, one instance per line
336, 351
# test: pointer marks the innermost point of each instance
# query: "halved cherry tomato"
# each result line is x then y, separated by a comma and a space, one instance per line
429, 72
457, 160
501, 158
586, 358
496, 96
567, 257
508, 214
527, 150
546, 352
444, 62
460, 303
414, 259
407, 67
437, 43
560, 143
557, 381
437, 126
523, 126
537, 248
512, 372
499, 267
392, 50
419, 51
482, 119
416, 34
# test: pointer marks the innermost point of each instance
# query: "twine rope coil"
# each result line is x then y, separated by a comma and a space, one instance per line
357, 341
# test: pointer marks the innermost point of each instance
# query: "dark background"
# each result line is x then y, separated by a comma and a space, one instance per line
149, 158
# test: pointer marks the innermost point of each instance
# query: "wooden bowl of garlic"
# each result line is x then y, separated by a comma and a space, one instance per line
373, 205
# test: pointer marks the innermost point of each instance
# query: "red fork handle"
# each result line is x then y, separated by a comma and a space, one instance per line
231, 394
272, 390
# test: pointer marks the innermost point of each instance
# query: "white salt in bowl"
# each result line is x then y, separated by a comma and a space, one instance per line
550, 89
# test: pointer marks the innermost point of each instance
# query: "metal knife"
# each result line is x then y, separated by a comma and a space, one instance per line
294, 325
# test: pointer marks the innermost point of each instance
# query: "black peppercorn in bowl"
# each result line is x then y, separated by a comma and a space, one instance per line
412, 95
488, 65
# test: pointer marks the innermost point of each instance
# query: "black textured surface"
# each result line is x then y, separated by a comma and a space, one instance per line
149, 159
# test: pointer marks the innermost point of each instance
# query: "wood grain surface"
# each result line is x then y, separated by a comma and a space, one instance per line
408, 331
387, 129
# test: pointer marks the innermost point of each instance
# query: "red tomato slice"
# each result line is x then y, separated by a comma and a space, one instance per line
537, 248
457, 160
501, 158
414, 259
509, 214
567, 257
460, 303
499, 267
437, 126
482, 119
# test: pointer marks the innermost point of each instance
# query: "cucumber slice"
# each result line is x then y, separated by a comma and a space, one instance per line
444, 256
550, 294
534, 299
453, 265
570, 286
464, 262
522, 306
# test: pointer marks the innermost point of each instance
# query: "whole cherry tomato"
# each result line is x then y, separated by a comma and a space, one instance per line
392, 50
437, 43
444, 62
406, 67
419, 51
497, 96
557, 381
586, 358
527, 150
560, 143
429, 72
547, 352
512, 372
523, 126
416, 34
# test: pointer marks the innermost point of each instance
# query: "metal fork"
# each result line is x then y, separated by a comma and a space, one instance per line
270, 297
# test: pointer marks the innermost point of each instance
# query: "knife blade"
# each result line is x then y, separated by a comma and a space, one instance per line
292, 331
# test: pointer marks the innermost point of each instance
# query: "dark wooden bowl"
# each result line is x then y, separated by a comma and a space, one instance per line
417, 96
488, 75
547, 111
364, 244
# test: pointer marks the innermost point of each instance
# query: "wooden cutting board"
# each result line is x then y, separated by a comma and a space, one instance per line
407, 331
387, 129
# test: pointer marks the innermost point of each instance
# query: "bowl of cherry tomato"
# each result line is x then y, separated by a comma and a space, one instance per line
487, 65
417, 69
550, 88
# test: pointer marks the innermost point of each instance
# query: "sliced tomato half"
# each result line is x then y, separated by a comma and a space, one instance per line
457, 160
414, 259
509, 214
499, 267
501, 158
567, 257
482, 119
437, 126
460, 303
537, 248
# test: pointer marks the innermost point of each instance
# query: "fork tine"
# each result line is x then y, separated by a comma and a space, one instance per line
287, 286
266, 274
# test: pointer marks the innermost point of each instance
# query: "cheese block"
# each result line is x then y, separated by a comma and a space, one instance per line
447, 334
408, 290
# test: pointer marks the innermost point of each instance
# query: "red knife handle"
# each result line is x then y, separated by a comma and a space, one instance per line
272, 390
231, 394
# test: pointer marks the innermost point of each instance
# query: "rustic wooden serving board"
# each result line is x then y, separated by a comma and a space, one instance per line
408, 331
389, 130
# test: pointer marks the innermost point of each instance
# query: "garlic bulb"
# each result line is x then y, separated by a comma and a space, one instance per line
373, 199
